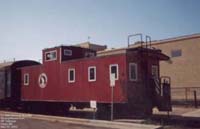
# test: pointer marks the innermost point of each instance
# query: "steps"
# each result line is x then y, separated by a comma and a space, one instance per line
161, 93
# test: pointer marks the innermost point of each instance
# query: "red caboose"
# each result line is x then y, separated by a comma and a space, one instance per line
75, 75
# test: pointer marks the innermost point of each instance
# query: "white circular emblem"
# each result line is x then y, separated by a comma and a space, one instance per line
42, 80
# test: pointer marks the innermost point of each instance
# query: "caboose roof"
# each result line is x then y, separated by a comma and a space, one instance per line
122, 50
60, 46
5, 64
111, 52
18, 63
66, 46
155, 52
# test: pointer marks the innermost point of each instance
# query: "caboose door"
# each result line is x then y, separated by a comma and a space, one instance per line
8, 83
2, 84
154, 71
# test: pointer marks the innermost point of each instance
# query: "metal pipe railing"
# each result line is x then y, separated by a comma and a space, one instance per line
133, 35
148, 39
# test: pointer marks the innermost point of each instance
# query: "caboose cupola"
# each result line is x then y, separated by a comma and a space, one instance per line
64, 53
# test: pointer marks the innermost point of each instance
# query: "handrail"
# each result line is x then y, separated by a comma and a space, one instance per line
148, 39
165, 78
132, 35
157, 85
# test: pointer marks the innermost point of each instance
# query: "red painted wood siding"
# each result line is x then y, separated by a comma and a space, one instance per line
58, 88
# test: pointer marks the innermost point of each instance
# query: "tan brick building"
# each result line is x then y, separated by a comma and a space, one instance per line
184, 65
92, 46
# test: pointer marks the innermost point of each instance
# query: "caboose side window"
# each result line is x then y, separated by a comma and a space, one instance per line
114, 70
132, 71
91, 73
26, 79
71, 75
51, 55
67, 52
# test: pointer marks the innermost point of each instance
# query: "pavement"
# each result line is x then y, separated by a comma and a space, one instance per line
195, 113
32, 121
187, 117
181, 111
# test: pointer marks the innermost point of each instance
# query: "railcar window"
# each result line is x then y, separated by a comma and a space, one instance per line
71, 75
51, 55
26, 79
133, 71
91, 73
114, 70
67, 52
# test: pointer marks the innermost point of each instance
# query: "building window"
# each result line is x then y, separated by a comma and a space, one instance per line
51, 55
71, 75
154, 71
91, 73
67, 52
133, 72
114, 70
176, 53
26, 79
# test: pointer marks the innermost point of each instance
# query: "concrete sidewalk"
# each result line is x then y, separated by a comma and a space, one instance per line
84, 122
181, 111
195, 113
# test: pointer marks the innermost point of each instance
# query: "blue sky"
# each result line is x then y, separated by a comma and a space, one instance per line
28, 26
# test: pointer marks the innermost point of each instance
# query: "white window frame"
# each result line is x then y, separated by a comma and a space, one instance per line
92, 67
26, 83
68, 50
136, 70
50, 52
71, 69
116, 65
